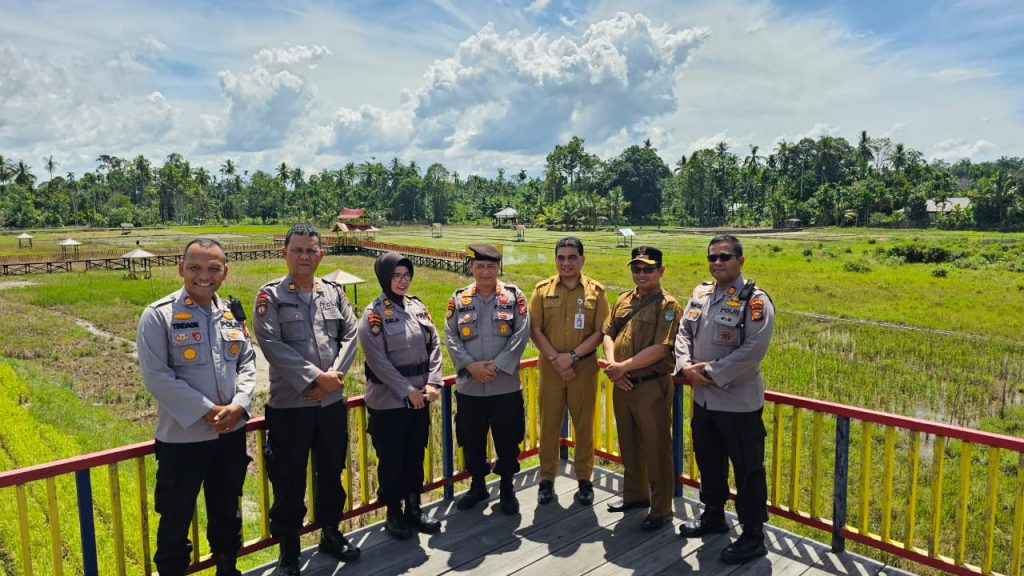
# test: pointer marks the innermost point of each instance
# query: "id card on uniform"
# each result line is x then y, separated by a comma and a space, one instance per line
577, 321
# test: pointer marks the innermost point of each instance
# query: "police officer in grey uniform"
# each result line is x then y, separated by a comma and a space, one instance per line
486, 332
307, 331
725, 331
403, 376
198, 363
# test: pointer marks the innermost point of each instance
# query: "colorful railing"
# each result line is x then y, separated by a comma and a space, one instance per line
809, 474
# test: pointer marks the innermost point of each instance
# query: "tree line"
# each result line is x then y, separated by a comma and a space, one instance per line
826, 181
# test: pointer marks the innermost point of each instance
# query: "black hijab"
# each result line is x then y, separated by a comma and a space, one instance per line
384, 268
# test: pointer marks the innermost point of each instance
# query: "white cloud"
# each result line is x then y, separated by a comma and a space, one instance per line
288, 55
525, 93
537, 6
953, 149
961, 74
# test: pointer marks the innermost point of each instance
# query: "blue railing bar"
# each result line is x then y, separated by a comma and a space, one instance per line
86, 526
841, 477
447, 456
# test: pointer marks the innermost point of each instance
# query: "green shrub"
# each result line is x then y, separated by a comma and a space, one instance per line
940, 272
857, 266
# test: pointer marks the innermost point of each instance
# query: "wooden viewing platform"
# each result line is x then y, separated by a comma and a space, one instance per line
565, 538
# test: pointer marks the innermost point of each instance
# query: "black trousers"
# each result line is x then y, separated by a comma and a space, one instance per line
218, 466
292, 434
400, 439
504, 415
719, 437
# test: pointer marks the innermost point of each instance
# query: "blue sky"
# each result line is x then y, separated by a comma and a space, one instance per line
481, 85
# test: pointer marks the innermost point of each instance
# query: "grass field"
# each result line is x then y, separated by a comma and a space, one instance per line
855, 324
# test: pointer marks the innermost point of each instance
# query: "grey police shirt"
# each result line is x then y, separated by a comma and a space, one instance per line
192, 360
303, 340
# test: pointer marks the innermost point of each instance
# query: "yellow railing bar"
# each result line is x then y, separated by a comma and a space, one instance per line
346, 482
776, 453
794, 464
889, 454
115, 512
866, 441
816, 431
691, 458
263, 489
915, 466
963, 502
54, 521
1018, 520
26, 544
310, 485
364, 489
991, 487
938, 464
597, 419
140, 481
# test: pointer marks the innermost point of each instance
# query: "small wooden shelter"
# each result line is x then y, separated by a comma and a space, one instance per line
506, 216
520, 232
435, 230
624, 237
68, 244
138, 264
339, 276
354, 225
126, 228
24, 238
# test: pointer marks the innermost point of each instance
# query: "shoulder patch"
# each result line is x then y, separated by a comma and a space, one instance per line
756, 306
451, 308
262, 301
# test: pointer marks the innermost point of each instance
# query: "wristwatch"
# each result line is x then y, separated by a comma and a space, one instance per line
575, 357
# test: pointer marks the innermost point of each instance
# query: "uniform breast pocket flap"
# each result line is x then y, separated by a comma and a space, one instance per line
467, 325
233, 339
552, 302
725, 335
396, 335
191, 352
293, 327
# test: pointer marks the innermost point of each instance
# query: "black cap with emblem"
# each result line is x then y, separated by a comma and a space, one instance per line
646, 254
483, 252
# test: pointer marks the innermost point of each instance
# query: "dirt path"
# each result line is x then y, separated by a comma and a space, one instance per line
16, 284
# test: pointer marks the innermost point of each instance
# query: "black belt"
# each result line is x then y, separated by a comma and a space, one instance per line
639, 379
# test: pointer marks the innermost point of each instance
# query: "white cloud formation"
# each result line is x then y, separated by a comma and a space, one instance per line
291, 55
953, 149
961, 74
537, 6
525, 93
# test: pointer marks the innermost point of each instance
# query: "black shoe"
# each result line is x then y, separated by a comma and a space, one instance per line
655, 522
475, 495
335, 544
713, 523
397, 525
623, 506
585, 495
417, 519
546, 492
288, 562
748, 546
509, 503
226, 564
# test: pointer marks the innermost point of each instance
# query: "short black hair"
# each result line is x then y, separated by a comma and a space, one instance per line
737, 246
204, 242
570, 242
303, 229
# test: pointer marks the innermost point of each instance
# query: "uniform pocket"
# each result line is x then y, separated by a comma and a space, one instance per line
467, 325
725, 335
395, 335
191, 352
293, 328
233, 340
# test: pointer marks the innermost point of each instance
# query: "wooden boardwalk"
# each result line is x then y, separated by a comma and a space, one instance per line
564, 538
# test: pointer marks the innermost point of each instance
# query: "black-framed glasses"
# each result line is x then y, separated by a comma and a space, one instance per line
401, 277
643, 269
723, 257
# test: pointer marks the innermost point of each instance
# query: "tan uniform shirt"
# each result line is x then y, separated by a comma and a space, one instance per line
302, 341
656, 323
554, 309
735, 355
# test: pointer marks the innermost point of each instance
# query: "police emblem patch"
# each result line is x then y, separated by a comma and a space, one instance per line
521, 303
374, 320
181, 337
756, 310
189, 353
197, 336
670, 315
693, 313
466, 300
262, 301
233, 349
451, 308
503, 329
188, 301
466, 331
388, 311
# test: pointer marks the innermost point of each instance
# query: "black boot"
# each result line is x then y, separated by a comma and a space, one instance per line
288, 562
334, 543
417, 518
396, 523
711, 521
507, 496
477, 493
226, 564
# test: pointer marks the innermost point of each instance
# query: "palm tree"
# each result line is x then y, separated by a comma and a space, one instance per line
23, 174
49, 164
864, 152
6, 172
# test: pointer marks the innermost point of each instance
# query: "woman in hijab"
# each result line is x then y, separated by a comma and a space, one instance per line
403, 375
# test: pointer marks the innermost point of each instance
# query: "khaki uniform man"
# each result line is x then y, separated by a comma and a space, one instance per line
638, 339
197, 362
486, 332
567, 314
307, 331
725, 332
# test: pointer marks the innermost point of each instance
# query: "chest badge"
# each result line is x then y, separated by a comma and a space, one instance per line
233, 349
189, 353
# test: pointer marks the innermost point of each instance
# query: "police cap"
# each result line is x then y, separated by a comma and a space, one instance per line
647, 255
483, 252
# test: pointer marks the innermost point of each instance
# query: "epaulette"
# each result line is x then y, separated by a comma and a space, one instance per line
545, 282
274, 282
163, 302
596, 283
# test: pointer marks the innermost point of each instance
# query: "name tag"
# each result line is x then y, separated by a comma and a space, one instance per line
577, 321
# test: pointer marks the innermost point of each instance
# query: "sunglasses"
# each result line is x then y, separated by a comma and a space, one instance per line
643, 269
723, 257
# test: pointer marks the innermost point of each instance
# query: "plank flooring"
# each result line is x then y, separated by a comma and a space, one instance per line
564, 538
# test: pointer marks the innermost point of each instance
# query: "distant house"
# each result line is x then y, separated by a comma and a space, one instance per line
947, 205
354, 224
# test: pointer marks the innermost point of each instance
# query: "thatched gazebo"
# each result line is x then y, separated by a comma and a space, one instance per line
22, 238
66, 244
506, 216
